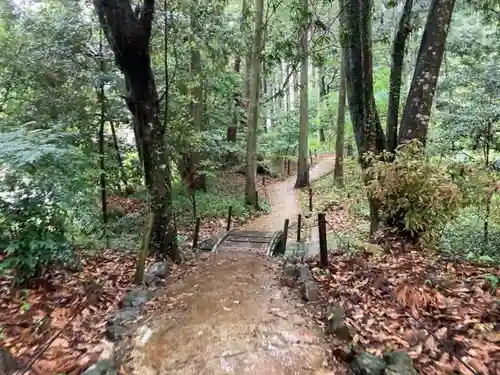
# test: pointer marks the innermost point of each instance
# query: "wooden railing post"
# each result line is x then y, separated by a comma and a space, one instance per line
229, 216
310, 199
196, 233
299, 225
285, 234
323, 246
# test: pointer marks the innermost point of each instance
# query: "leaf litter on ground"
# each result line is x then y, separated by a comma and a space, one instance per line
452, 301
30, 317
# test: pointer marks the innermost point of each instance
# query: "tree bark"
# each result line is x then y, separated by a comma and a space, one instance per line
191, 159
338, 171
322, 94
368, 131
398, 54
129, 35
302, 163
102, 121
253, 111
102, 174
369, 136
248, 60
295, 91
416, 116
288, 98
263, 87
238, 98
232, 130
123, 174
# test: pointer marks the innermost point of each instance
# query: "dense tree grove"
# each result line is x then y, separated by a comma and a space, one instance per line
122, 122
143, 95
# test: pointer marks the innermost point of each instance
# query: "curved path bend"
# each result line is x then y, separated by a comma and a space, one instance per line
230, 315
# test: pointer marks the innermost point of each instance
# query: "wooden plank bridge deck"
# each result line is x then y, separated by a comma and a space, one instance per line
271, 242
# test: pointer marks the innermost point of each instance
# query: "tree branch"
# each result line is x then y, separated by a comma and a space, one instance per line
285, 85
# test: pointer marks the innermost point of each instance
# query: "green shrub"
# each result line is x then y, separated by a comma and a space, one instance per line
212, 204
414, 189
32, 235
464, 237
46, 184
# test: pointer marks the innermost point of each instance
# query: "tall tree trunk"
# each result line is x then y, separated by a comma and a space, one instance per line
129, 35
196, 178
302, 164
274, 102
416, 116
356, 21
398, 54
253, 110
295, 91
248, 59
288, 98
322, 94
338, 172
232, 130
123, 174
239, 97
265, 108
280, 99
102, 177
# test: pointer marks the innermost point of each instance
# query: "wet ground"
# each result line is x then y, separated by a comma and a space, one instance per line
230, 315
283, 199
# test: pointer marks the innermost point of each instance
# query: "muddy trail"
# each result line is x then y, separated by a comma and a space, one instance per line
230, 314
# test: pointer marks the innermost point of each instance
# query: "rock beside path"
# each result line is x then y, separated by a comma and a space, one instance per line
393, 363
299, 273
8, 364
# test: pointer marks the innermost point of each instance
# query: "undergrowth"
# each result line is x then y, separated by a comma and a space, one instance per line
223, 191
454, 223
464, 237
346, 207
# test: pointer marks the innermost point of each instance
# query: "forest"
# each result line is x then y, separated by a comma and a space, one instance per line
126, 126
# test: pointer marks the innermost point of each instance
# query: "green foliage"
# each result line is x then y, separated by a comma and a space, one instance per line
464, 236
33, 236
412, 187
474, 182
283, 139
213, 204
43, 184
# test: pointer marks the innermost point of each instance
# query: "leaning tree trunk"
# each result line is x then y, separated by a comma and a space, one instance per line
129, 34
356, 20
302, 165
253, 110
398, 54
416, 116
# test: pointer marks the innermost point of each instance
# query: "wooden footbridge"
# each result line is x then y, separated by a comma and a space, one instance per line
272, 242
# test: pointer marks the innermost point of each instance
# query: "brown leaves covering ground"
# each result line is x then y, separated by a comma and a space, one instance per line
30, 317
452, 300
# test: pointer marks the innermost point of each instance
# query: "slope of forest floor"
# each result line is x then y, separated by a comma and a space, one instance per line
398, 296
415, 302
31, 316
401, 299
230, 315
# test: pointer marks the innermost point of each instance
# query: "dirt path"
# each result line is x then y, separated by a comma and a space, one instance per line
230, 315
283, 199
